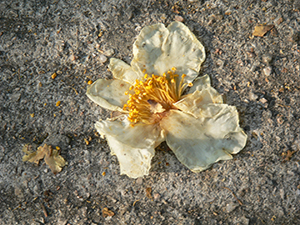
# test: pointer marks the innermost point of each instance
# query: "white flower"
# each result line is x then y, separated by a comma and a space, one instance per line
198, 127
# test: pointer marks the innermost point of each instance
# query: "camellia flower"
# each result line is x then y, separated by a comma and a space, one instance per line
156, 105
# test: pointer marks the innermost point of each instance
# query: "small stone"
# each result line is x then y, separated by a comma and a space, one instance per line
267, 59
263, 100
109, 52
267, 71
15, 97
179, 18
72, 57
139, 180
231, 206
252, 96
156, 196
102, 59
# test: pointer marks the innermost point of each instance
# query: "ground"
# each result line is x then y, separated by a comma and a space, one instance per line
49, 51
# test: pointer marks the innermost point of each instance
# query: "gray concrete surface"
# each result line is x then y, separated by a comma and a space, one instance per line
75, 39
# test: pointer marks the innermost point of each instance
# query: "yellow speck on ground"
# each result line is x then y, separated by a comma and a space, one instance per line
90, 82
53, 75
32, 114
58, 103
86, 141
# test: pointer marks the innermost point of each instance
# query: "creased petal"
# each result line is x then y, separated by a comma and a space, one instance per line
109, 94
199, 142
196, 102
200, 83
123, 71
133, 146
158, 49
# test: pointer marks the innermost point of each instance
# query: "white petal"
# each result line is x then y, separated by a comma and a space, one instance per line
158, 49
109, 94
194, 103
147, 49
123, 71
133, 146
199, 142
200, 83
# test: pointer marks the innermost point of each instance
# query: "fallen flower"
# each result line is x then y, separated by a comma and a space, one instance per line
197, 126
51, 157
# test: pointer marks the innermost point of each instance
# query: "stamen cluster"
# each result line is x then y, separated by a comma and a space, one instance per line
150, 98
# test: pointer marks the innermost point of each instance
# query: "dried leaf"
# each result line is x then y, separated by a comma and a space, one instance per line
51, 157
148, 192
106, 212
34, 157
261, 30
287, 155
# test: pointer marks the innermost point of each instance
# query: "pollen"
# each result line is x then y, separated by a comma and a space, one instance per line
151, 97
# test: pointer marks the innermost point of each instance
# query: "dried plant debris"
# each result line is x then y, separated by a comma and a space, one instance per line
106, 212
149, 192
51, 157
261, 30
286, 156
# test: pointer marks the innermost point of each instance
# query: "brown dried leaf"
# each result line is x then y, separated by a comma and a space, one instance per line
51, 157
106, 212
287, 155
55, 161
261, 30
148, 192
33, 157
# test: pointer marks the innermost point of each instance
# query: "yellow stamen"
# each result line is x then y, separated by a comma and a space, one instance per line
153, 96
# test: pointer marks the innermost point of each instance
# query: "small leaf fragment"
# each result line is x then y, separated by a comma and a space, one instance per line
51, 157
287, 155
106, 212
148, 192
261, 30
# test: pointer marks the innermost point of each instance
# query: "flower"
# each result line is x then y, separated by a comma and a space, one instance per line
197, 126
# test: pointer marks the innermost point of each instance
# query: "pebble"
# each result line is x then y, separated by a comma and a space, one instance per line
179, 18
231, 206
109, 52
102, 58
267, 71
139, 180
267, 59
156, 196
263, 100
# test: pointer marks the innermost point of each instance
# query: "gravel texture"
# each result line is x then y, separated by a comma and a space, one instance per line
74, 41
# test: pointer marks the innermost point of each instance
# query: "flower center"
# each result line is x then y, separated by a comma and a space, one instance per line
154, 96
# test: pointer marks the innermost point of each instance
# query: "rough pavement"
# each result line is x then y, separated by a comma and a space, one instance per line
74, 41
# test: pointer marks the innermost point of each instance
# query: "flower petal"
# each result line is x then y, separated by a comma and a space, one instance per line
200, 83
199, 142
200, 94
123, 71
109, 94
158, 49
134, 146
